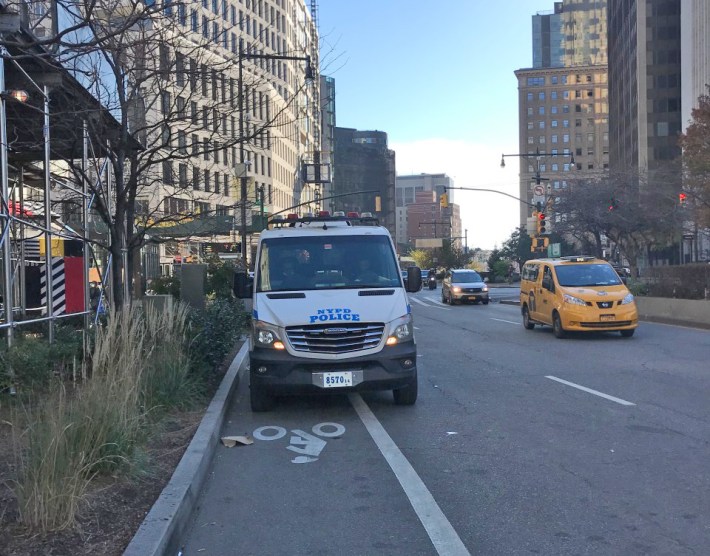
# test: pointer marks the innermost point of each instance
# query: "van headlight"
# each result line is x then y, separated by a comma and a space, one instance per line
629, 298
403, 331
265, 335
572, 300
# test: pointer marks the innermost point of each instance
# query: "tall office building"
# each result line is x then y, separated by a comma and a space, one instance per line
406, 190
547, 38
364, 174
644, 83
562, 101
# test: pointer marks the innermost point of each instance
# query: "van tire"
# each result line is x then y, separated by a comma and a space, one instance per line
527, 323
557, 329
406, 395
627, 333
261, 400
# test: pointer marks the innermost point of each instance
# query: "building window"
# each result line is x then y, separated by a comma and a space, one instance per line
541, 95
195, 178
182, 175
530, 97
167, 172
541, 110
553, 139
553, 123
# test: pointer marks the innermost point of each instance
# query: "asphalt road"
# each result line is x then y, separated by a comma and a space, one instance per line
519, 443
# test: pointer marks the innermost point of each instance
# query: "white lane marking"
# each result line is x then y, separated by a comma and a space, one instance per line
436, 306
442, 534
589, 390
503, 320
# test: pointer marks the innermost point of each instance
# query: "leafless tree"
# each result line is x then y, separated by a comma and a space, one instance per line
636, 212
167, 73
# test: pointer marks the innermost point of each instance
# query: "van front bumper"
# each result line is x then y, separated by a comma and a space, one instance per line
619, 318
279, 372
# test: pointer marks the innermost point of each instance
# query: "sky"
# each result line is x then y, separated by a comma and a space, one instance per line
438, 78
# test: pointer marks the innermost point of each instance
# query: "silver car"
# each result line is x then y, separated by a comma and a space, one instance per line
463, 285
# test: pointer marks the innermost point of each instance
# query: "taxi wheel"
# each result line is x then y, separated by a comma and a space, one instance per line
557, 329
527, 323
627, 333
260, 399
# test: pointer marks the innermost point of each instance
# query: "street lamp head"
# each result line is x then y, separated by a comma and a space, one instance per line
310, 76
571, 159
502, 161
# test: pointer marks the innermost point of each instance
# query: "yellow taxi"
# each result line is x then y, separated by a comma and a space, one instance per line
577, 293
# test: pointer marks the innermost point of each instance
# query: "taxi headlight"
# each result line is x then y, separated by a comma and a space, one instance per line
572, 300
629, 298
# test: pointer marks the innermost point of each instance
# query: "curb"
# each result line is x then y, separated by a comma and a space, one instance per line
158, 534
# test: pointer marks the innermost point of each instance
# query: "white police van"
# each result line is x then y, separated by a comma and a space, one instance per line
330, 310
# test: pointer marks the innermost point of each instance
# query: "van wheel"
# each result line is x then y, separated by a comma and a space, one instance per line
527, 323
406, 395
627, 333
261, 399
557, 329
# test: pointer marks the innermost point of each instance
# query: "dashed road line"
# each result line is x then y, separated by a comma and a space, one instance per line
508, 321
590, 391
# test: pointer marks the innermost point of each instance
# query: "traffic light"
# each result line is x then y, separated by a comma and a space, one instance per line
682, 198
443, 200
541, 223
531, 224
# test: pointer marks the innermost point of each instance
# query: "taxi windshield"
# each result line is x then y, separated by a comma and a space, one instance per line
587, 275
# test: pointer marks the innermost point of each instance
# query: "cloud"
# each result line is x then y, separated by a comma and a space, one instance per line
490, 218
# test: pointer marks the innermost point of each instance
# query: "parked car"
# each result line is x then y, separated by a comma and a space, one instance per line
463, 285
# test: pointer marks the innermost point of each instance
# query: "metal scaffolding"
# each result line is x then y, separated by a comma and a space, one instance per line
45, 209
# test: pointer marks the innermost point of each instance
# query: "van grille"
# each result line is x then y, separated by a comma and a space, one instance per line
605, 324
335, 338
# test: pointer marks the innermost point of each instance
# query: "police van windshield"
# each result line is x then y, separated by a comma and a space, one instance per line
587, 275
313, 263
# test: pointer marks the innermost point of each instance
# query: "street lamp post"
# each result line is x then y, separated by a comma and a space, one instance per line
243, 177
537, 155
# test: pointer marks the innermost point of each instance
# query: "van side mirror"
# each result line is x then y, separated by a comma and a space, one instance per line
413, 283
242, 285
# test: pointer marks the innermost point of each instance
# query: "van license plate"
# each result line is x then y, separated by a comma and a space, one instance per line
607, 317
338, 379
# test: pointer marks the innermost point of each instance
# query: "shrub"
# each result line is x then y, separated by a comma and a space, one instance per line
215, 331
689, 281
